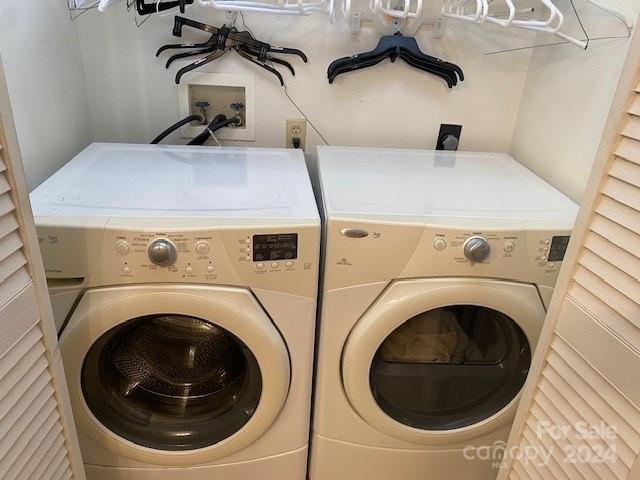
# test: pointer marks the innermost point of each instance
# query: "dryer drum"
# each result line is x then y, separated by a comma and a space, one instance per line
450, 367
171, 382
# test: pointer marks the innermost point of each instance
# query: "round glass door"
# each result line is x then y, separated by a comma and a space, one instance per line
450, 367
171, 382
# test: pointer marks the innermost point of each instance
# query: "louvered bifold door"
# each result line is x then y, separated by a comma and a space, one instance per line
579, 417
37, 437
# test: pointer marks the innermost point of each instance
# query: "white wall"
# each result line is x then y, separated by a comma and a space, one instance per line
133, 97
98, 80
39, 49
566, 101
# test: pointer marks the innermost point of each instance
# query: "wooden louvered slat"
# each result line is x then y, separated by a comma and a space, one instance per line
546, 414
43, 421
6, 204
613, 276
19, 349
9, 244
559, 412
542, 471
625, 220
607, 308
13, 284
35, 436
597, 407
536, 419
52, 458
23, 412
5, 187
8, 224
13, 423
616, 400
629, 149
628, 172
632, 128
11, 264
33, 381
634, 108
570, 401
622, 192
56, 472
49, 448
618, 257
33, 357
544, 442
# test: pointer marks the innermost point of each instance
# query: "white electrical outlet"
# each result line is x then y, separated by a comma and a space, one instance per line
296, 135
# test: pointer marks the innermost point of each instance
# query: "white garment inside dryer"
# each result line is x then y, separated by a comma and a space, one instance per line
431, 337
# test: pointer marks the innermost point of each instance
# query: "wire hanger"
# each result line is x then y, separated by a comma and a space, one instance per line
222, 40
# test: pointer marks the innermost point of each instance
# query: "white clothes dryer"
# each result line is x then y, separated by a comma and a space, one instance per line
189, 277
437, 272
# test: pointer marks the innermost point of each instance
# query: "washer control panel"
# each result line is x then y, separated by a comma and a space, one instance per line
275, 258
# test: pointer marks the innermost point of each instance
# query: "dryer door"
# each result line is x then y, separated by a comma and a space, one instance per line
439, 361
174, 375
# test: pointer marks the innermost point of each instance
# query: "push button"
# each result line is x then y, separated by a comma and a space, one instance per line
275, 265
203, 248
439, 243
260, 266
122, 247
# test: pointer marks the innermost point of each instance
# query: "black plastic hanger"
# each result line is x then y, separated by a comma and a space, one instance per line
397, 46
155, 7
222, 40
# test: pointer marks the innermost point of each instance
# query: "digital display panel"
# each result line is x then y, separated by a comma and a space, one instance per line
282, 246
558, 248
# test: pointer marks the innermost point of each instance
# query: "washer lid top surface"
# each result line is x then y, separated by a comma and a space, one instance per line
435, 187
119, 180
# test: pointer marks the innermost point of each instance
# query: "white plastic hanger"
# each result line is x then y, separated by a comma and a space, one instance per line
279, 7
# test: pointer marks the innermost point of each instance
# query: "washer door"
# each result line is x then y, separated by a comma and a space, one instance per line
436, 361
174, 375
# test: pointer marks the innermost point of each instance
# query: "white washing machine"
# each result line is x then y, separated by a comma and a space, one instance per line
188, 347
438, 269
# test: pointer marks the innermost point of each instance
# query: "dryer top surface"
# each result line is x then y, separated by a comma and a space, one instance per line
439, 188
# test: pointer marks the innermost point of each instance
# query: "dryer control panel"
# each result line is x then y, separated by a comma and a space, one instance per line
387, 251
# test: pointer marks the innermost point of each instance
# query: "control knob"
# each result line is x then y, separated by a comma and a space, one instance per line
477, 249
162, 253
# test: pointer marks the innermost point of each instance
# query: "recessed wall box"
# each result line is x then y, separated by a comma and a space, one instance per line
220, 91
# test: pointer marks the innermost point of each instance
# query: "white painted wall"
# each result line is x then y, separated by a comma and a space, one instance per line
43, 66
566, 101
133, 97
98, 80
